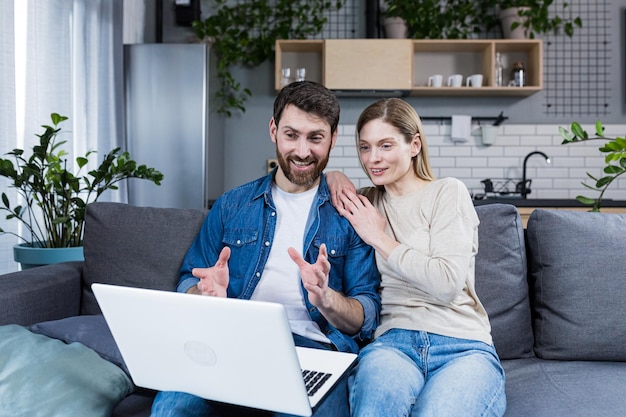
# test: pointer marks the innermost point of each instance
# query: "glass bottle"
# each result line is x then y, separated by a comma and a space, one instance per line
518, 74
499, 70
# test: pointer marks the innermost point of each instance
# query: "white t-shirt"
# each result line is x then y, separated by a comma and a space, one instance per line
280, 282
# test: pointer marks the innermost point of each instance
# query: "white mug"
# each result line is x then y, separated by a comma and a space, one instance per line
475, 80
435, 80
455, 80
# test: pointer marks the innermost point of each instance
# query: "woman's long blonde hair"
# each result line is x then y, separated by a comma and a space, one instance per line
402, 116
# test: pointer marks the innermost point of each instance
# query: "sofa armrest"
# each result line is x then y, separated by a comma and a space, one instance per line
40, 294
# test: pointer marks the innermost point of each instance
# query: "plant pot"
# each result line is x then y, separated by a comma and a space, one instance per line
395, 28
508, 17
31, 257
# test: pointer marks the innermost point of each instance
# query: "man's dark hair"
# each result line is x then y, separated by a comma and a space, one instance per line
311, 97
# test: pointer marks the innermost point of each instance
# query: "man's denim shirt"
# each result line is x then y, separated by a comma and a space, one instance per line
245, 220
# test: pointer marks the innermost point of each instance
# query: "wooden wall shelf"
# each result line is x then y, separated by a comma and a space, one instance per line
402, 66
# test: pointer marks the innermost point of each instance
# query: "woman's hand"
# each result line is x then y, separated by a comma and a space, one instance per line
368, 222
337, 184
363, 216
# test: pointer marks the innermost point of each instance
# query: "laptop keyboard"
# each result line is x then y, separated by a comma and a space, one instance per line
314, 380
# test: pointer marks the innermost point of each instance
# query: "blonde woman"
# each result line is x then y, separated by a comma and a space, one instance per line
433, 353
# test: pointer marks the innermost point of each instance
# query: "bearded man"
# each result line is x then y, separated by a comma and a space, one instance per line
280, 239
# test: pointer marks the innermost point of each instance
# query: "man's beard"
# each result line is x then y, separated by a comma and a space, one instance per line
302, 179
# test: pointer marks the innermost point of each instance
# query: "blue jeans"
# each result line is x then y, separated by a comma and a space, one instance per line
414, 373
178, 404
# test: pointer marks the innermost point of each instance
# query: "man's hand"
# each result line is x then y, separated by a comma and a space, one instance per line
213, 280
346, 314
315, 277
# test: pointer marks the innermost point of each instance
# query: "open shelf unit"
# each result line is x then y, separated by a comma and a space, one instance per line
404, 65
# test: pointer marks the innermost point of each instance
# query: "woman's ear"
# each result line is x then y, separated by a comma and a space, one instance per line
416, 145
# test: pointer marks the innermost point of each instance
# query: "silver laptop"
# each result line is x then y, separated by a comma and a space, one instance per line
228, 350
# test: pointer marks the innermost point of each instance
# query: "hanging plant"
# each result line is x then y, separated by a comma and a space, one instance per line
536, 17
436, 19
245, 34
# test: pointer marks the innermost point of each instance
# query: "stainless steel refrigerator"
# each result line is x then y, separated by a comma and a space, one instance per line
170, 125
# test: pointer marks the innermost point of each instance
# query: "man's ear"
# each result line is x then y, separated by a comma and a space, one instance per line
333, 139
273, 129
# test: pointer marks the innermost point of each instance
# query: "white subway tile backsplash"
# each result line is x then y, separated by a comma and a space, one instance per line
472, 162
519, 130
538, 141
457, 151
548, 130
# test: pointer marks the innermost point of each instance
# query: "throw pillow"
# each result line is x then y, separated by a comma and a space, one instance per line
40, 376
501, 279
92, 331
576, 261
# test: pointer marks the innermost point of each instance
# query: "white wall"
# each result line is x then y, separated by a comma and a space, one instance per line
472, 162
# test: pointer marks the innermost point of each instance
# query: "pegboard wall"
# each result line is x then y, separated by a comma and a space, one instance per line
577, 70
346, 23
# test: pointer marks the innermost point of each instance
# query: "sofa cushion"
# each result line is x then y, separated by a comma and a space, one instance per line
43, 376
135, 246
89, 330
576, 261
501, 279
541, 388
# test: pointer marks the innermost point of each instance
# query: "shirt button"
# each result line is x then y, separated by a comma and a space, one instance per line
332, 252
267, 243
238, 242
258, 274
273, 214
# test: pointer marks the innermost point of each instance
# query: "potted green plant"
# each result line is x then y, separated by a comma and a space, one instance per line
614, 150
54, 198
245, 33
528, 18
435, 19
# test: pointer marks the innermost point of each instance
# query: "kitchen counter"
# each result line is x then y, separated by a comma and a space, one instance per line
527, 206
547, 202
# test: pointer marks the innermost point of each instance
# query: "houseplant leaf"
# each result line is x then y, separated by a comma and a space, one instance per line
56, 198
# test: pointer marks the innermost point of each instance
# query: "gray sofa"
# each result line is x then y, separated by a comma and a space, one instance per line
554, 292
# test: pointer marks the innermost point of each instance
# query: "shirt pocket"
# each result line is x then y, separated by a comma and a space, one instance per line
337, 248
243, 248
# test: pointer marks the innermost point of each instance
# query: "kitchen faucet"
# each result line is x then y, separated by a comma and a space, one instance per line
523, 188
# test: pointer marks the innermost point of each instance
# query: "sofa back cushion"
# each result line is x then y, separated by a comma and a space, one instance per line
501, 279
576, 262
135, 246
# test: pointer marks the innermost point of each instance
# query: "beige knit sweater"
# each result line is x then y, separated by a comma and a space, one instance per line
428, 281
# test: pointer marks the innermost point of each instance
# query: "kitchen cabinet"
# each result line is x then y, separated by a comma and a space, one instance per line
403, 66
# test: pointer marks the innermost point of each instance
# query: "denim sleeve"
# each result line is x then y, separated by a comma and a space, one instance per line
204, 251
362, 280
